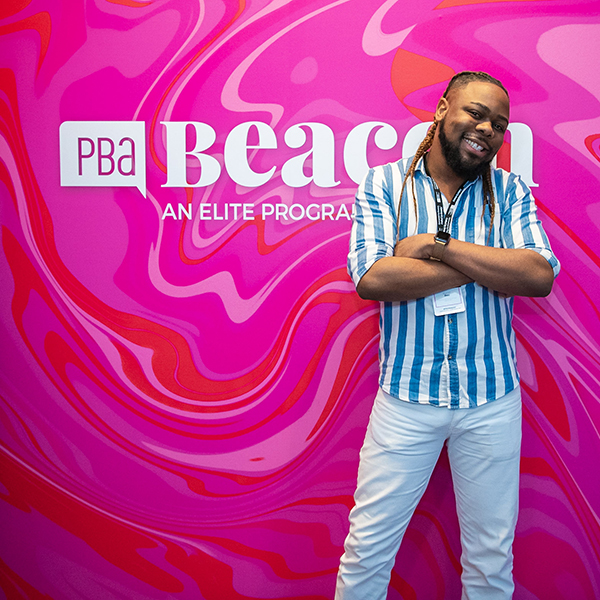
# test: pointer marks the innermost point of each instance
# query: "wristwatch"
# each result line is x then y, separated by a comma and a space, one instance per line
441, 239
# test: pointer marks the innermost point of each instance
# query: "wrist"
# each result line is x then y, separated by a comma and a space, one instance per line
440, 241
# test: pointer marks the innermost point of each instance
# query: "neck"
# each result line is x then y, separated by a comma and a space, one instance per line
445, 178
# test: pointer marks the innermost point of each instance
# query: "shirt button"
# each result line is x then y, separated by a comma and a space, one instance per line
450, 320
450, 357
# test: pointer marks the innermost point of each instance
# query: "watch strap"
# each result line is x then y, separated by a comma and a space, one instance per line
439, 247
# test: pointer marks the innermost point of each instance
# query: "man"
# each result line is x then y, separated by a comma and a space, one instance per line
444, 241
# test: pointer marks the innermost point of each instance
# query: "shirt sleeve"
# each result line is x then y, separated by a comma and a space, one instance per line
521, 227
374, 223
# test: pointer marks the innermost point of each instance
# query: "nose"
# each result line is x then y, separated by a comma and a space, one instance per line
486, 128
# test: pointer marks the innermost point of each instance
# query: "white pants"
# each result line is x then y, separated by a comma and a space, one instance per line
401, 448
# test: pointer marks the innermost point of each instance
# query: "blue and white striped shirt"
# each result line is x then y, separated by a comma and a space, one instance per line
459, 360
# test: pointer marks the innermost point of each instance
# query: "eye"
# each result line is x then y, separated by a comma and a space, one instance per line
499, 127
474, 113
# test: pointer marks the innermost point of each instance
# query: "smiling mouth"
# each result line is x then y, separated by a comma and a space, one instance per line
479, 149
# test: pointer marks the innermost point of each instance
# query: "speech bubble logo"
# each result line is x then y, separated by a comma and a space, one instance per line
103, 154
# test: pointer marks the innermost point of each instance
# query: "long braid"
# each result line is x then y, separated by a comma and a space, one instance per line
421, 150
488, 197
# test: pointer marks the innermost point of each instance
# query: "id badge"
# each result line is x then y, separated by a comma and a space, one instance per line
448, 302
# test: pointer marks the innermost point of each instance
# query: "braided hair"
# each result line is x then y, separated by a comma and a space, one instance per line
459, 80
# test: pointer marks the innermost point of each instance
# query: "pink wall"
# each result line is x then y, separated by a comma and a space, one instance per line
182, 401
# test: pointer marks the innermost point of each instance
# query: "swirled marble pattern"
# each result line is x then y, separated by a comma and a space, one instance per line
182, 401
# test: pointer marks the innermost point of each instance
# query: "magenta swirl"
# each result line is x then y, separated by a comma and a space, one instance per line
183, 399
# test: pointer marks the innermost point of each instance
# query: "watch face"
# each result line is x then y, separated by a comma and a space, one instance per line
442, 236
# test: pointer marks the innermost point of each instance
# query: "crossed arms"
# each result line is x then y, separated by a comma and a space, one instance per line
409, 274
519, 262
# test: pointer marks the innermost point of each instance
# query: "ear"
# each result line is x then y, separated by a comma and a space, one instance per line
442, 108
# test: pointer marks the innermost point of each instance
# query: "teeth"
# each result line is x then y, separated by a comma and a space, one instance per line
474, 145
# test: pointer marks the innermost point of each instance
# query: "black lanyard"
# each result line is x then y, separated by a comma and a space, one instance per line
444, 219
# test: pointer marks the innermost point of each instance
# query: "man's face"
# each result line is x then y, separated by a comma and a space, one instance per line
471, 125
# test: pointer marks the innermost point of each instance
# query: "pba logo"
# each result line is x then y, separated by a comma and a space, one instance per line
103, 154
113, 153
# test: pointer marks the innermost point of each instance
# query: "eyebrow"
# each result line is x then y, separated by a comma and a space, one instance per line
487, 109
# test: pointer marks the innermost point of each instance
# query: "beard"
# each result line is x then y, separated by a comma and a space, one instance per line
461, 166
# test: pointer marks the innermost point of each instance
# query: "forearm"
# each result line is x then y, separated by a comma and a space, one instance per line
395, 278
514, 272
409, 274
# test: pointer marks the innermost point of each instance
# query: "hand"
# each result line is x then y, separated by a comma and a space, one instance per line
416, 246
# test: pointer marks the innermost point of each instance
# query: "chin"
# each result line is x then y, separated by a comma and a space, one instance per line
469, 169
